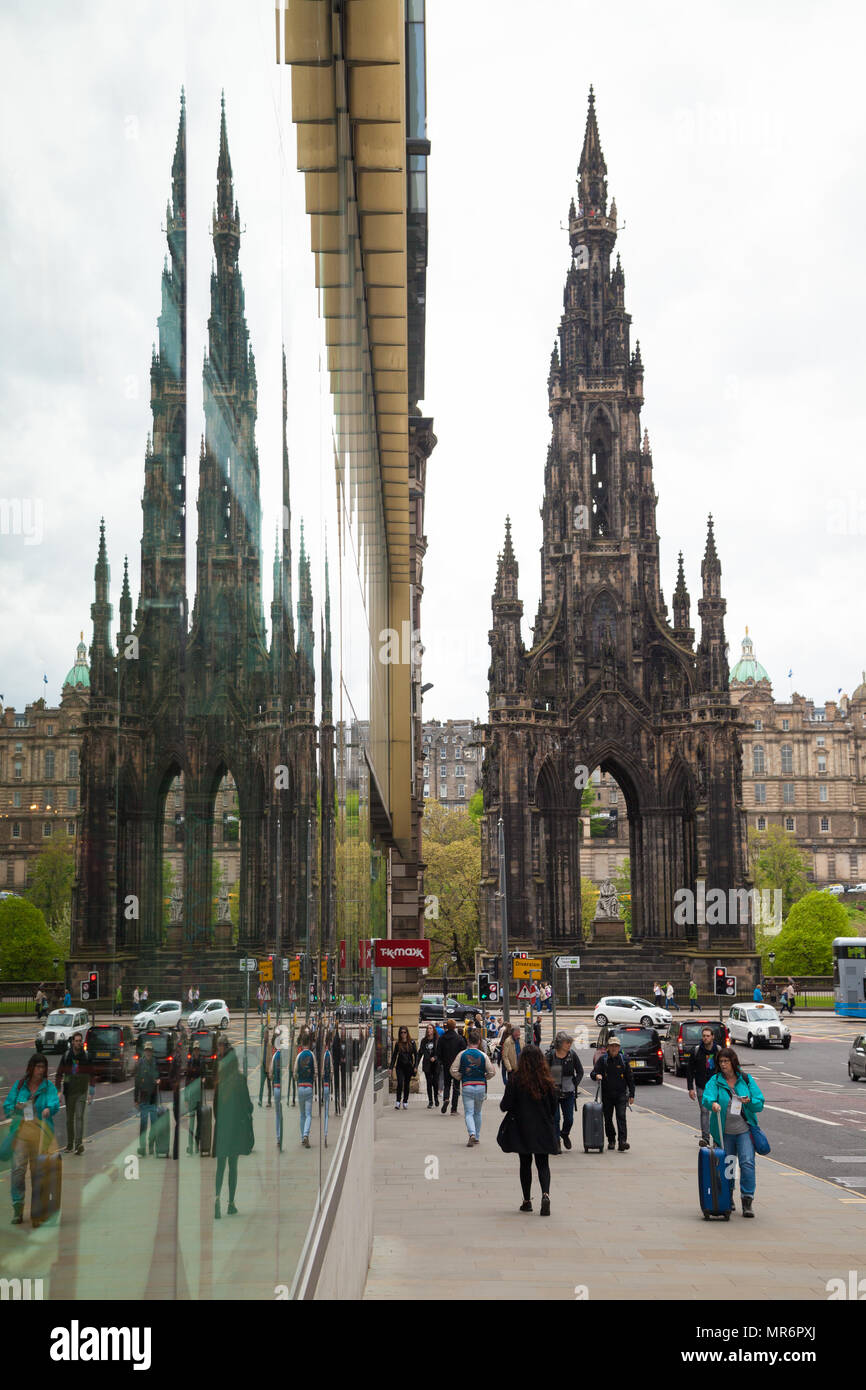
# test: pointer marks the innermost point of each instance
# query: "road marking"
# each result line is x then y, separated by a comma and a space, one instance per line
858, 1113
845, 1158
798, 1115
851, 1182
794, 1076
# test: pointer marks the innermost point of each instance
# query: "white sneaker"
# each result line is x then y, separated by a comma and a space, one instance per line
405, 1105
396, 1105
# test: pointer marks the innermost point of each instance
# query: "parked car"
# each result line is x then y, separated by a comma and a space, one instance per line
857, 888
836, 888
630, 1008
164, 1041
207, 1041
857, 1058
165, 1013
111, 1049
435, 1007
641, 1048
686, 1035
213, 1013
757, 1025
59, 1027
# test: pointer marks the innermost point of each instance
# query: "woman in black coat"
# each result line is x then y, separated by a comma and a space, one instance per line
531, 1099
233, 1111
427, 1053
404, 1061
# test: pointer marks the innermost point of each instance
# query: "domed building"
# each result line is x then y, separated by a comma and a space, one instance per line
748, 670
78, 678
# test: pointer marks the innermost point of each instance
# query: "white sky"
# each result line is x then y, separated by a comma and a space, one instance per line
734, 146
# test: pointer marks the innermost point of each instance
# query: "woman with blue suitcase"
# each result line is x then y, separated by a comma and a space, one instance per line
734, 1099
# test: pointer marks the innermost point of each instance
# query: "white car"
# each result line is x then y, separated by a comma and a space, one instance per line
58, 1028
757, 1025
630, 1008
858, 888
837, 888
213, 1013
165, 1013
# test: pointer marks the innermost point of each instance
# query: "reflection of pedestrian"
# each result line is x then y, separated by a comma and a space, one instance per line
135, 999
146, 1095
265, 1069
305, 1075
338, 1058
32, 1103
73, 1074
193, 1095
233, 1115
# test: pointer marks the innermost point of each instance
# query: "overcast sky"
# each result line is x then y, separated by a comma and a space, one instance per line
734, 144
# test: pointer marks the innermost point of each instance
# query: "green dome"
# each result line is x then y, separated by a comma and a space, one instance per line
748, 670
79, 675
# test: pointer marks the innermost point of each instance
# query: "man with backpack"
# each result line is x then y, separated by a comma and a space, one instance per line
701, 1065
473, 1068
617, 1092
566, 1069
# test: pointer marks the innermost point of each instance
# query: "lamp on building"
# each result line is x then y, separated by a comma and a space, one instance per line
425, 688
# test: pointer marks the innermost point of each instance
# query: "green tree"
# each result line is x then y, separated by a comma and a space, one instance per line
452, 878
51, 887
588, 900
476, 807
27, 948
804, 945
622, 884
776, 862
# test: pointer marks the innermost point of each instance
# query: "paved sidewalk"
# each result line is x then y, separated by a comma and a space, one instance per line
622, 1224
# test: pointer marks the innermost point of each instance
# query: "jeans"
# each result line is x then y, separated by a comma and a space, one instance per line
542, 1165
76, 1109
705, 1114
450, 1086
693, 1004
404, 1076
264, 1077
326, 1105
566, 1105
672, 1004
305, 1103
743, 1147
432, 1078
620, 1105
473, 1099
232, 1161
146, 1113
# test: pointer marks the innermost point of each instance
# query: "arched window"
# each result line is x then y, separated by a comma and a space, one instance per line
603, 624
758, 758
787, 758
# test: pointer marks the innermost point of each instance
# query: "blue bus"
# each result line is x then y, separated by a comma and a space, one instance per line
849, 976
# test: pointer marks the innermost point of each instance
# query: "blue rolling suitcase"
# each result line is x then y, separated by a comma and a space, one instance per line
714, 1189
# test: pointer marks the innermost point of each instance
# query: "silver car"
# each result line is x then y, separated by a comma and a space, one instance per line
857, 1058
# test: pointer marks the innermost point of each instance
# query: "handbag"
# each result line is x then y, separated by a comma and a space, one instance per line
759, 1138
508, 1137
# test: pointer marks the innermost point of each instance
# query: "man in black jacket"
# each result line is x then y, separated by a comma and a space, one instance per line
74, 1072
146, 1095
447, 1048
617, 1092
702, 1064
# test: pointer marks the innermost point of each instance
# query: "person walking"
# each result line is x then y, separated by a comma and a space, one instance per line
145, 1095
787, 999
338, 1058
530, 1097
693, 995
135, 999
734, 1099
429, 1065
566, 1069
190, 997
658, 995
498, 1047
67, 1000
404, 1063
233, 1116
74, 1075
670, 1002
175, 1085
327, 1081
757, 995
118, 1001
702, 1063
617, 1092
447, 1049
192, 1095
32, 1104
510, 1053
265, 1070
304, 1071
144, 996
40, 995
472, 1068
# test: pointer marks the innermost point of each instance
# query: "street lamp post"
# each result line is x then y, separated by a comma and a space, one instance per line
506, 1011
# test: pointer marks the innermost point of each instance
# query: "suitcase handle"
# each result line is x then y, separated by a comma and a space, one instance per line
597, 1092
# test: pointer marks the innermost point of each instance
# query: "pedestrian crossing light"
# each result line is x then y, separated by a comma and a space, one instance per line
721, 979
90, 986
484, 988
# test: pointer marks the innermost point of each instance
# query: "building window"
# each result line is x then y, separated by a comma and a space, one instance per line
762, 822
47, 829
461, 788
442, 753
760, 793
19, 748
17, 772
73, 762
70, 828
21, 721
820, 740
787, 758
822, 791
825, 823
788, 793
459, 771
786, 724
426, 788
614, 796
789, 823
757, 758
72, 798
16, 830
49, 764
822, 762
759, 725
854, 863
16, 800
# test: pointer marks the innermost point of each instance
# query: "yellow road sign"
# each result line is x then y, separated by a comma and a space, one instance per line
294, 969
324, 965
527, 969
266, 970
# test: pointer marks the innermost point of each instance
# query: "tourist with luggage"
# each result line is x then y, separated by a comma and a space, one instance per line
192, 1095
404, 1064
429, 1065
145, 1095
447, 1049
73, 1074
734, 1100
702, 1063
233, 1116
530, 1124
472, 1068
304, 1071
566, 1069
32, 1104
617, 1093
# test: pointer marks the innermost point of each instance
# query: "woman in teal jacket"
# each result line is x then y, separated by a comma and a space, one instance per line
32, 1102
733, 1100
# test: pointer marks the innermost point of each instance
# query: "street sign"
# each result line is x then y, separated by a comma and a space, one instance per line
266, 970
285, 963
525, 969
324, 967
294, 969
730, 984
248, 964
494, 992
523, 992
342, 955
567, 962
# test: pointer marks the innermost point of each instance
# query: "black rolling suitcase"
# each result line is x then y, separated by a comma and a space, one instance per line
593, 1124
205, 1129
160, 1133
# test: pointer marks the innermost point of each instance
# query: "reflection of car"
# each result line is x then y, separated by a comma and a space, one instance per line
757, 1025
163, 1040
836, 888
213, 1013
641, 1047
59, 1027
630, 1008
207, 1041
111, 1049
165, 1013
857, 1058
686, 1035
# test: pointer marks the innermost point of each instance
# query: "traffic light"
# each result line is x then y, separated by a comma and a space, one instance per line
721, 978
90, 986
484, 987
494, 992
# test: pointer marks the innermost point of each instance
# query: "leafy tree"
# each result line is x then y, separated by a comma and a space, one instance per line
51, 887
804, 945
452, 854
27, 948
588, 900
476, 807
776, 862
622, 884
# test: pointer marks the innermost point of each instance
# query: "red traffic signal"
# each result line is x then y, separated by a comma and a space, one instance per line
721, 979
